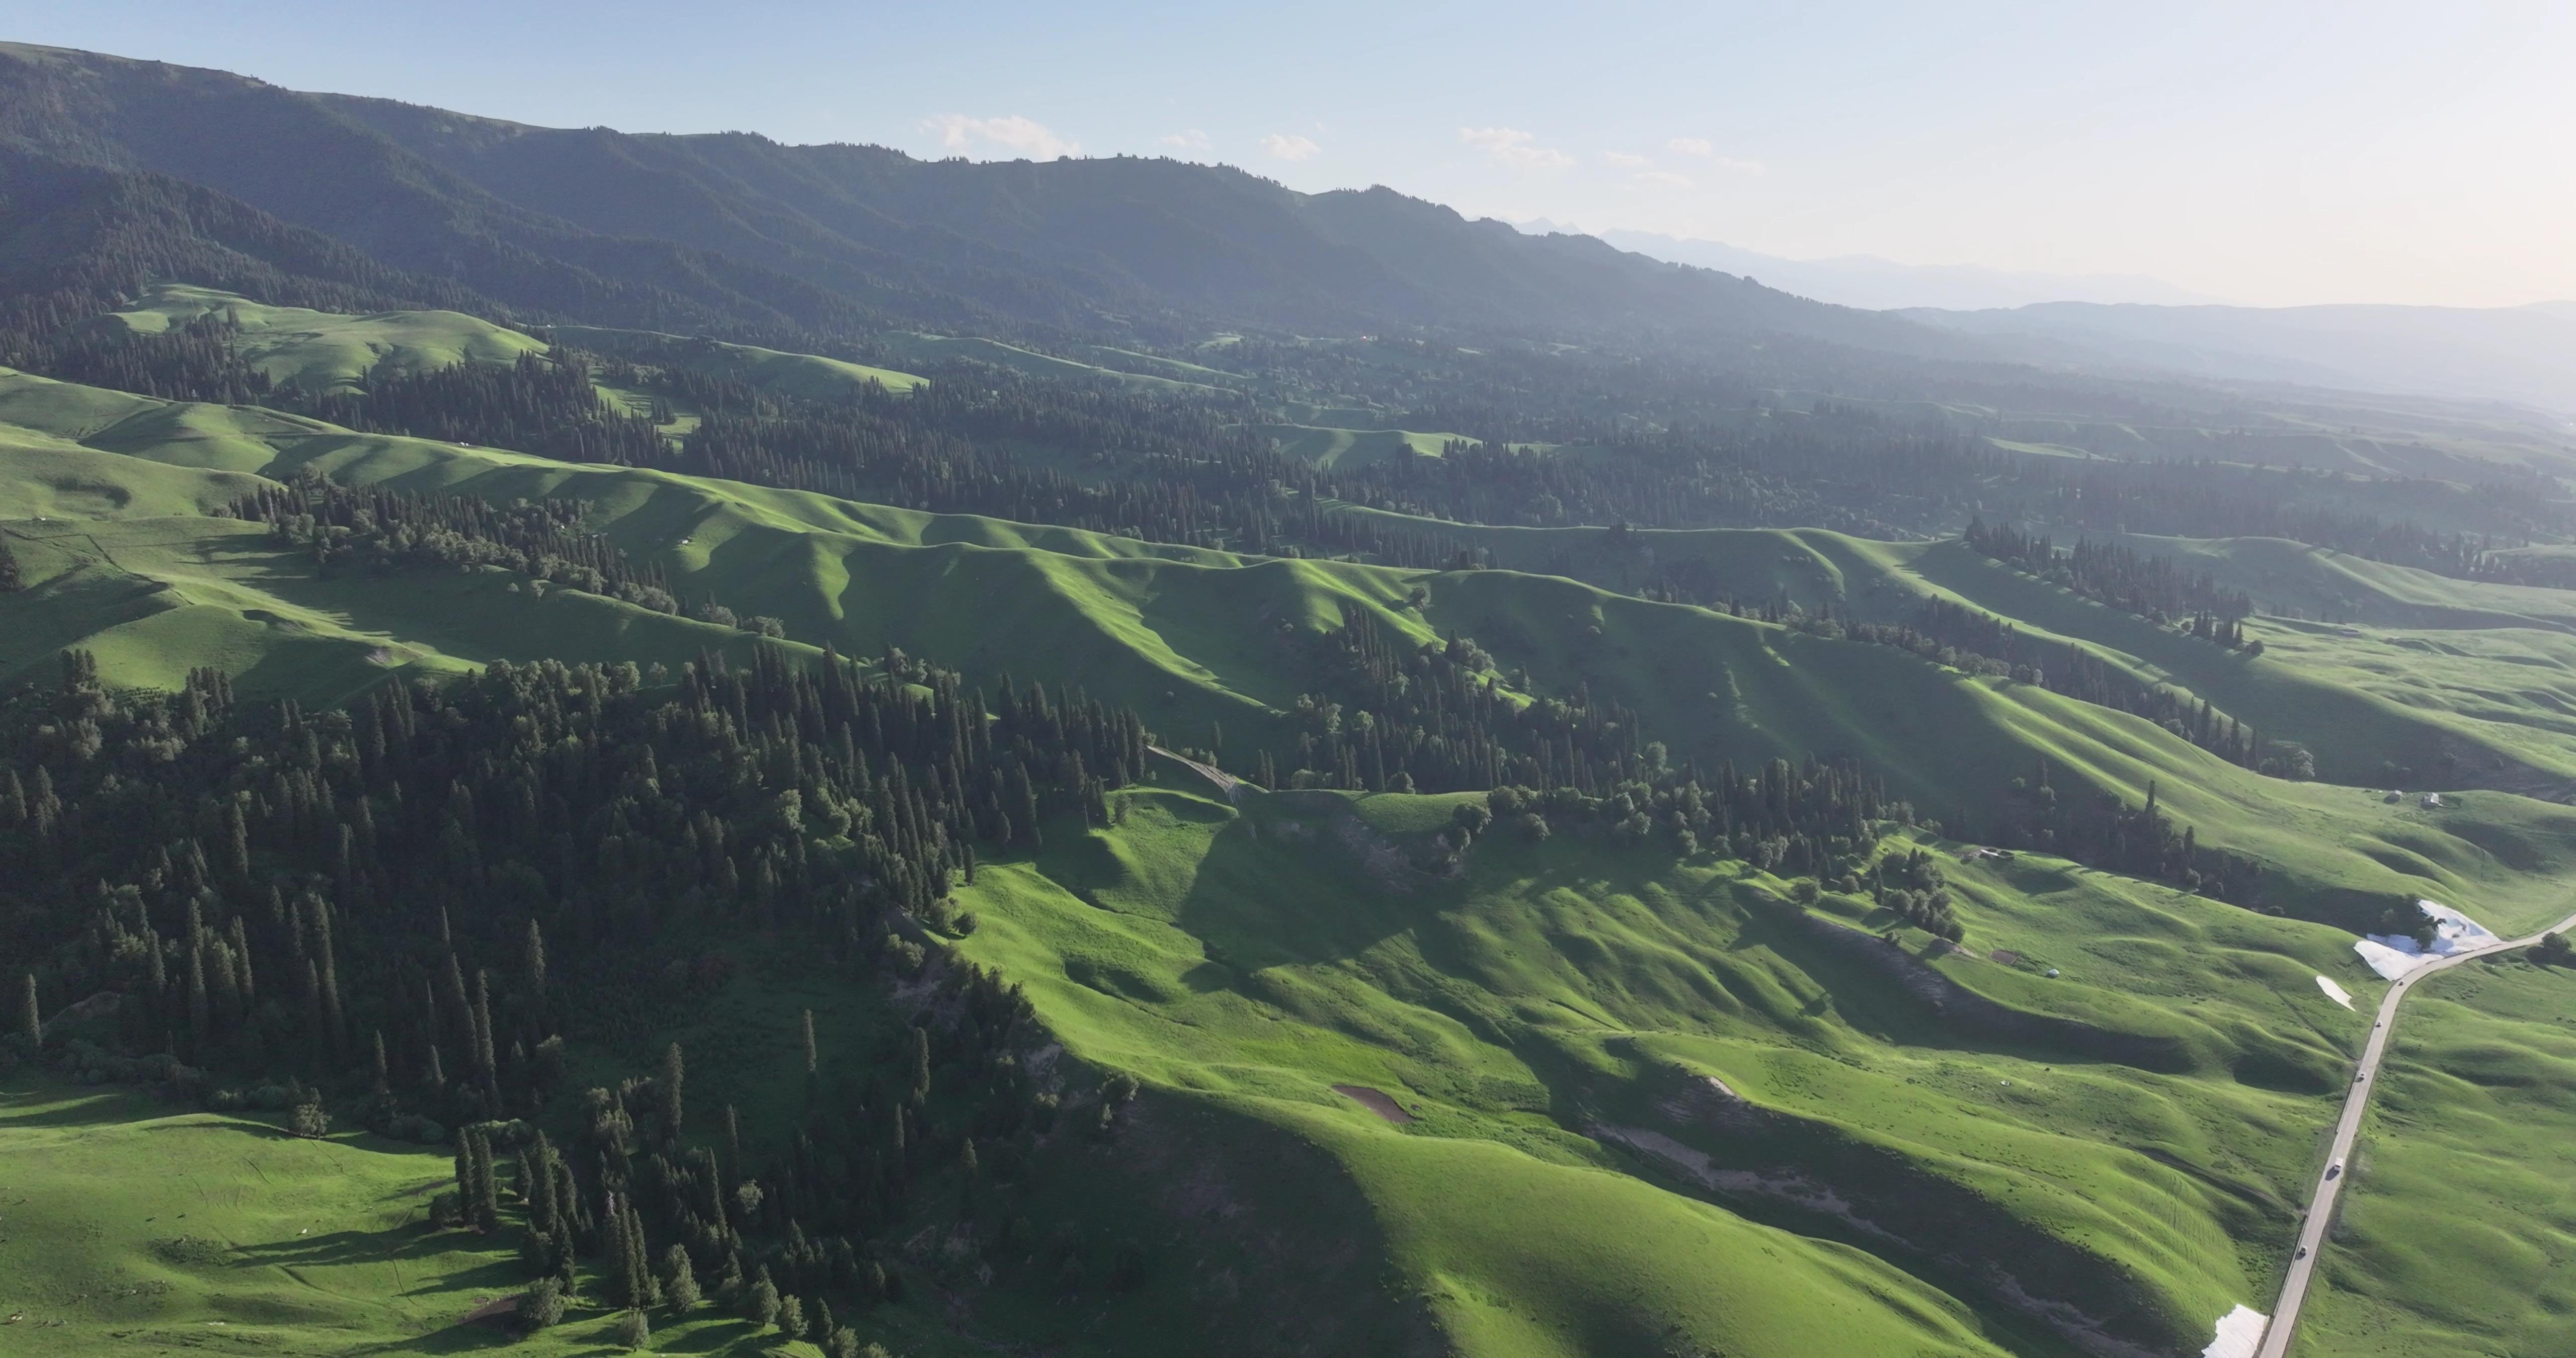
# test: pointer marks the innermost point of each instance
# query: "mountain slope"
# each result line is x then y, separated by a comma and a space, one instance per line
666, 232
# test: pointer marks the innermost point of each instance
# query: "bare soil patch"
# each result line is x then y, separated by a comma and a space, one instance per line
1376, 1101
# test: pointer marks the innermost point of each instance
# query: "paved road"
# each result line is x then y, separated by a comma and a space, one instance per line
2312, 1231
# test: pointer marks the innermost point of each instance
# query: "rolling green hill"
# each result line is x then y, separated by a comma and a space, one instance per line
1562, 1011
2452, 1231
1191, 638
2433, 681
1650, 1102
323, 351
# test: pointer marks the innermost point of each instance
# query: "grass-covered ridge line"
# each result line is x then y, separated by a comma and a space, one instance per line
1560, 1002
1195, 639
321, 351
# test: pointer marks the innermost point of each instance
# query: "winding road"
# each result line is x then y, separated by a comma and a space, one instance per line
2312, 1230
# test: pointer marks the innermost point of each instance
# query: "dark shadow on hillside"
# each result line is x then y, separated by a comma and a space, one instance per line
1280, 886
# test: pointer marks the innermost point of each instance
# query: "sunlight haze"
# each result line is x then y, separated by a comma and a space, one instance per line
2269, 154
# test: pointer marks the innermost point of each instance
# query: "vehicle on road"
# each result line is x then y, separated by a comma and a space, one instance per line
2300, 1253
2336, 1168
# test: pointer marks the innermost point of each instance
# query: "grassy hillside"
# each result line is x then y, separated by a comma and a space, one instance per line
929, 350
1191, 638
807, 375
322, 351
2456, 1230
2449, 684
1651, 1103
1546, 1017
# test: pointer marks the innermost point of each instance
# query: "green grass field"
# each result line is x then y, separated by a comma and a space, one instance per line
1188, 637
325, 351
1246, 956
2458, 1229
1914, 1139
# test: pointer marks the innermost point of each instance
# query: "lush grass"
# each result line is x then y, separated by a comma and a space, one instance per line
806, 375
322, 350
126, 1226
1191, 638
1243, 955
2457, 1233
918, 350
2466, 698
1350, 447
156, 597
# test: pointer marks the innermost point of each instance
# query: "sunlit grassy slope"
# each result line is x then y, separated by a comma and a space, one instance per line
129, 1227
806, 375
1187, 636
1545, 1017
2458, 1228
322, 350
1914, 1146
2423, 680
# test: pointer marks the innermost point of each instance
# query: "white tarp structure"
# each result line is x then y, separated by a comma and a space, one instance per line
2239, 1332
2335, 992
2394, 955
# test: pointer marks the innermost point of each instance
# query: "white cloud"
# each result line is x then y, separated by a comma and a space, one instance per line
1190, 140
1662, 179
959, 133
1626, 161
1513, 147
1288, 146
1706, 150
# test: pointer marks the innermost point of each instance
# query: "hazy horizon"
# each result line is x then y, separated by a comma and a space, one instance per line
2250, 154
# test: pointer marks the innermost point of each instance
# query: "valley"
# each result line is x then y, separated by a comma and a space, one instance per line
615, 740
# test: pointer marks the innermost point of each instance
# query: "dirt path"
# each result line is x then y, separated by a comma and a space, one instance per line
1225, 782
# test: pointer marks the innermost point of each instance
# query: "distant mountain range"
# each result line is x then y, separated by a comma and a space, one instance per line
116, 172
2521, 354
734, 230
2129, 322
1876, 284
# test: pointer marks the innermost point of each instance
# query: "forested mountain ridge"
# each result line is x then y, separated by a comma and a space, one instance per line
766, 233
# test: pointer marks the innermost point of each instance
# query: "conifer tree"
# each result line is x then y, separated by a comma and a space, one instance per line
533, 961
674, 1073
679, 1280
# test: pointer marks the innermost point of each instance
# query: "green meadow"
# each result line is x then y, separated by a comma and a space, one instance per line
1649, 1105
2456, 1233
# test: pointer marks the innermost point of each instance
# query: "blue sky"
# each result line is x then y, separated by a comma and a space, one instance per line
2267, 153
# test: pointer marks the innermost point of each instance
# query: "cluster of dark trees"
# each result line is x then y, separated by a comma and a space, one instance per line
2376, 518
2153, 587
381, 531
411, 903
1978, 642
1912, 887
544, 405
2101, 830
197, 360
1394, 716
